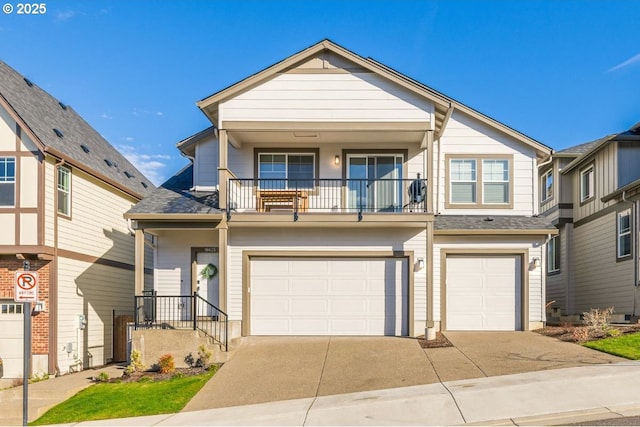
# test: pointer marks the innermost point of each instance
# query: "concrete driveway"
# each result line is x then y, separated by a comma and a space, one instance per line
266, 369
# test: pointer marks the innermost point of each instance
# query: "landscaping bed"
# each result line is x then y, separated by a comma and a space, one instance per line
439, 342
574, 333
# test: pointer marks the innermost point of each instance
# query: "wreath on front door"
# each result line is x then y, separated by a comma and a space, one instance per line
209, 271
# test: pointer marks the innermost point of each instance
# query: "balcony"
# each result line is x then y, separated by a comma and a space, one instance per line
326, 196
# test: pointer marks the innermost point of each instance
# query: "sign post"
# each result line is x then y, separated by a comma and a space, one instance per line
26, 291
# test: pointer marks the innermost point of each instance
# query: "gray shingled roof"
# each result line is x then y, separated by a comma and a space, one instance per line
580, 149
174, 196
43, 113
498, 222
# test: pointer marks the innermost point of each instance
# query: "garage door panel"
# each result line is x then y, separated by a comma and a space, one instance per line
357, 296
483, 292
11, 344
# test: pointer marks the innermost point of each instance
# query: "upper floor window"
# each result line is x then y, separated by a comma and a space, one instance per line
624, 233
586, 183
546, 186
479, 182
553, 254
286, 170
7, 181
64, 190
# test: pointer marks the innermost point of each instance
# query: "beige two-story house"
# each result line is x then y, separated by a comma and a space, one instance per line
63, 191
336, 196
590, 193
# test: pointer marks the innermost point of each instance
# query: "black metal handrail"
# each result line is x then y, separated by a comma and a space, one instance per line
154, 311
326, 195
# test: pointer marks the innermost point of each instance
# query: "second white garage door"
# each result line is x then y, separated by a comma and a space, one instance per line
11, 344
329, 296
483, 293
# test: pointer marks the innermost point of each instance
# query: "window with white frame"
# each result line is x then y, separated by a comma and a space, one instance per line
11, 308
64, 190
553, 254
480, 182
463, 178
495, 181
7, 181
624, 233
286, 170
586, 183
546, 186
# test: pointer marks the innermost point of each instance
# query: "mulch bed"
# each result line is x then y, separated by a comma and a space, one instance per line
439, 342
566, 332
155, 375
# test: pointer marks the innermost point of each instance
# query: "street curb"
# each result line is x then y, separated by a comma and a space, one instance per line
564, 418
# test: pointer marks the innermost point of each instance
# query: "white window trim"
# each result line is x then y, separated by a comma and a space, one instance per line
67, 191
479, 195
483, 181
15, 164
452, 181
620, 234
546, 195
590, 171
553, 249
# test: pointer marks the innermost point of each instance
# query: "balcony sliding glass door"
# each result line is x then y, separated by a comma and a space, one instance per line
374, 182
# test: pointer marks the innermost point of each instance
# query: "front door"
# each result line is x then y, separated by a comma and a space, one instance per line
208, 287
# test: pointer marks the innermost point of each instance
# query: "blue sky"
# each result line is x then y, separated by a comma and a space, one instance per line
562, 72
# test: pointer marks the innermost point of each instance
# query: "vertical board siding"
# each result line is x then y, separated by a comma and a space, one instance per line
464, 135
558, 283
327, 97
367, 240
600, 281
173, 259
206, 163
605, 182
96, 226
93, 290
628, 161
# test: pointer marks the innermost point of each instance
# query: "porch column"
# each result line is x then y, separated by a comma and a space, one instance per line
430, 331
222, 262
139, 262
223, 175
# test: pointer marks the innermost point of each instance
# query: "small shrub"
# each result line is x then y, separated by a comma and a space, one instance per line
178, 375
136, 364
167, 364
102, 377
37, 378
597, 320
581, 334
204, 356
189, 360
614, 332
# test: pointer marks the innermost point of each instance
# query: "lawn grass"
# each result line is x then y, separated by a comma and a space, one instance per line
119, 400
627, 346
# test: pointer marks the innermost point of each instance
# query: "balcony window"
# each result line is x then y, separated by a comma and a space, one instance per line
375, 182
279, 171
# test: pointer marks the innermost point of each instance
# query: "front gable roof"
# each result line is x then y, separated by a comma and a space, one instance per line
58, 130
444, 105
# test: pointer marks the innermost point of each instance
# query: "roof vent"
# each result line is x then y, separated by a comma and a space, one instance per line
108, 162
85, 148
58, 133
28, 82
488, 219
144, 184
128, 174
63, 106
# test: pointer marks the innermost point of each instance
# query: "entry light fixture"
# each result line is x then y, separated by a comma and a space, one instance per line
420, 263
536, 262
336, 160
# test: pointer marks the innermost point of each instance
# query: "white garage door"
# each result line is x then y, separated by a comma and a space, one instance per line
11, 345
329, 296
483, 293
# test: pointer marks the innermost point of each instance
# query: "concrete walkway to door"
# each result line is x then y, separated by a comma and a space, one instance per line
268, 369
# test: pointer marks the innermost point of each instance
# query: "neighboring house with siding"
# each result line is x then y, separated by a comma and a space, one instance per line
63, 192
591, 196
337, 196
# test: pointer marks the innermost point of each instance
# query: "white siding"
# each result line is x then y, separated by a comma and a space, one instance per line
465, 135
28, 229
8, 224
7, 131
600, 281
172, 273
536, 304
336, 240
94, 291
49, 208
97, 226
28, 182
206, 163
327, 97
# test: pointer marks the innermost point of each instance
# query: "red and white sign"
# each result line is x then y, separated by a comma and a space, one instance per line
26, 286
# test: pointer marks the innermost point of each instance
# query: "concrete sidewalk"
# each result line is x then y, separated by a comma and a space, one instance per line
536, 398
